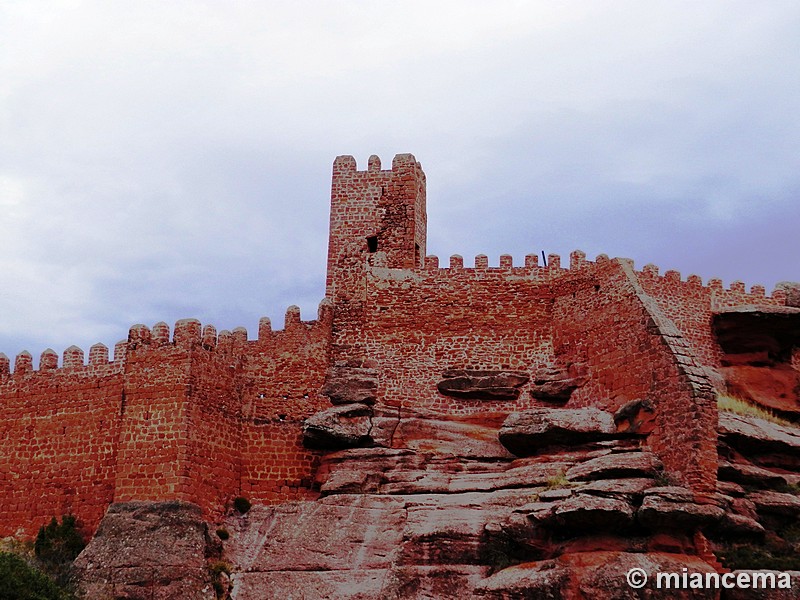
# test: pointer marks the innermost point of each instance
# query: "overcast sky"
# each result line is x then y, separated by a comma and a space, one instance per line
162, 160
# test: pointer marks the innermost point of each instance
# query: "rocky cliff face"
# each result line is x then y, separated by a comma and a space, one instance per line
547, 503
417, 505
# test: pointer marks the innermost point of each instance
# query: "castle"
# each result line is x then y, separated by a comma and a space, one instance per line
202, 416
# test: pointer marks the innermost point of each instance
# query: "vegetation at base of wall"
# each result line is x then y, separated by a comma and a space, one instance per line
241, 504
56, 547
20, 581
745, 409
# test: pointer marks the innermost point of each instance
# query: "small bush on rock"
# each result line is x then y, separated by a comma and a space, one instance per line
241, 504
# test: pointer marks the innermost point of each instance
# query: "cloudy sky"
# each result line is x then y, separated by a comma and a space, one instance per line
162, 160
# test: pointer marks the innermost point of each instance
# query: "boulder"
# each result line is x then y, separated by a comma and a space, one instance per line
343, 426
349, 383
597, 574
482, 385
767, 442
636, 416
556, 384
746, 474
776, 503
527, 432
145, 550
582, 512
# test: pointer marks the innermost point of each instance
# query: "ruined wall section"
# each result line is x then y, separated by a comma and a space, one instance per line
689, 305
282, 374
59, 428
422, 322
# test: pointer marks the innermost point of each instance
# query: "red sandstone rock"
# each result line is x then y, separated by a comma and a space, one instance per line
674, 508
769, 443
590, 575
343, 426
525, 433
146, 550
629, 464
482, 385
776, 503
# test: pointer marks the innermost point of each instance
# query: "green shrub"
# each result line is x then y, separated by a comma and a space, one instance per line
241, 504
56, 547
20, 581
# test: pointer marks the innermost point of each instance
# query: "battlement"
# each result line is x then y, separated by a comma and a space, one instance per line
650, 272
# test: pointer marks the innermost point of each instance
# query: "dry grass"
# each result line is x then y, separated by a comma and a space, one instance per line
744, 408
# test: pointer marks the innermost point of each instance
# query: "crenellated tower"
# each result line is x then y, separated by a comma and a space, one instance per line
378, 219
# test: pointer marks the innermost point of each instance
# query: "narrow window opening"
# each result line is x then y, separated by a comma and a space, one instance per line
372, 244
417, 257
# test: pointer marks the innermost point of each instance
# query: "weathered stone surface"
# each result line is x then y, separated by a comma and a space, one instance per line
556, 383
600, 575
631, 489
627, 464
771, 444
348, 384
746, 474
733, 524
145, 550
352, 584
343, 426
469, 437
527, 432
584, 512
674, 508
776, 503
355, 532
482, 385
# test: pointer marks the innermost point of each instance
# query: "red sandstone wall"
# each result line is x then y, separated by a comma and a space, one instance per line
58, 440
282, 375
421, 322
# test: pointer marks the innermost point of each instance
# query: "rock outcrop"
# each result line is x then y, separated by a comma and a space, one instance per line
482, 385
146, 550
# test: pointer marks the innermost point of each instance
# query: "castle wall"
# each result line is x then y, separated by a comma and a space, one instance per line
202, 417
422, 322
58, 440
194, 417
282, 376
689, 304
632, 351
